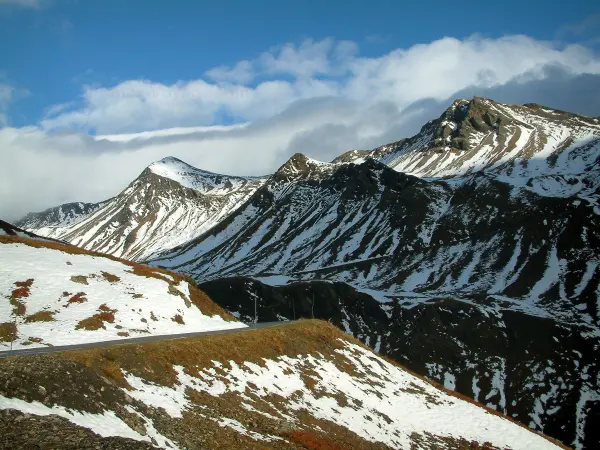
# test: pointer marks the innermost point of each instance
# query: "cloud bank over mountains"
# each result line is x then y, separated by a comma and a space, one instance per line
319, 98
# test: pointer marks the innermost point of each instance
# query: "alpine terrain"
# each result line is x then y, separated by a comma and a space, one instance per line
53, 294
167, 205
469, 252
302, 385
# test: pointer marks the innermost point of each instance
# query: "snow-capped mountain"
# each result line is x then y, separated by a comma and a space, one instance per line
550, 152
69, 296
469, 253
312, 215
170, 203
497, 236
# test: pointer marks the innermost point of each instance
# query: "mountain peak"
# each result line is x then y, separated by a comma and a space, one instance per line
169, 160
170, 164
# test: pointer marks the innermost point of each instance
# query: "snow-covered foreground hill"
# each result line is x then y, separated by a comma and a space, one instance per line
169, 204
54, 297
304, 385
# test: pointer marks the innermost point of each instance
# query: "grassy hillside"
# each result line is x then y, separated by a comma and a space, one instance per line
56, 294
300, 385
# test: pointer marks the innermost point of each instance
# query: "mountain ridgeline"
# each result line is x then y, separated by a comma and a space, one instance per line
469, 252
170, 203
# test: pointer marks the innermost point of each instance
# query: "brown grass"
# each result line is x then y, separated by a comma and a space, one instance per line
8, 332
81, 279
113, 371
110, 277
41, 316
95, 322
24, 284
22, 291
311, 441
77, 298
178, 318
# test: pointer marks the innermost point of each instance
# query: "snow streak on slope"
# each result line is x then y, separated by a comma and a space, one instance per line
400, 405
313, 215
341, 390
168, 205
55, 221
57, 298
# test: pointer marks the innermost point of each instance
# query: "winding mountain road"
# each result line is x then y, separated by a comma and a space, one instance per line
138, 340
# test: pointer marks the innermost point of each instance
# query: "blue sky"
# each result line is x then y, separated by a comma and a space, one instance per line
51, 48
93, 91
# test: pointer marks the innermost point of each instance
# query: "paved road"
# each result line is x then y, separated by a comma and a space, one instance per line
138, 340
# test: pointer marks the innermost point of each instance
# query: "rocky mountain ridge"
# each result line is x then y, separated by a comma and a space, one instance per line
456, 241
170, 203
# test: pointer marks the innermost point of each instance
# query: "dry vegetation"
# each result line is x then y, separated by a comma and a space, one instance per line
8, 332
110, 277
312, 441
81, 279
95, 322
77, 298
21, 291
40, 316
178, 318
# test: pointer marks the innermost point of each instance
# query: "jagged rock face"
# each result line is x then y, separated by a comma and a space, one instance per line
167, 205
550, 152
299, 222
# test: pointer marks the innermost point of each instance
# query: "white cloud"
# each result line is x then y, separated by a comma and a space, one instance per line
242, 73
320, 98
315, 69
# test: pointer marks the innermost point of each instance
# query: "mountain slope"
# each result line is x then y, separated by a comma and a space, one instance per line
69, 296
304, 385
54, 221
311, 215
550, 152
170, 203
536, 370
438, 250
501, 236
8, 229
